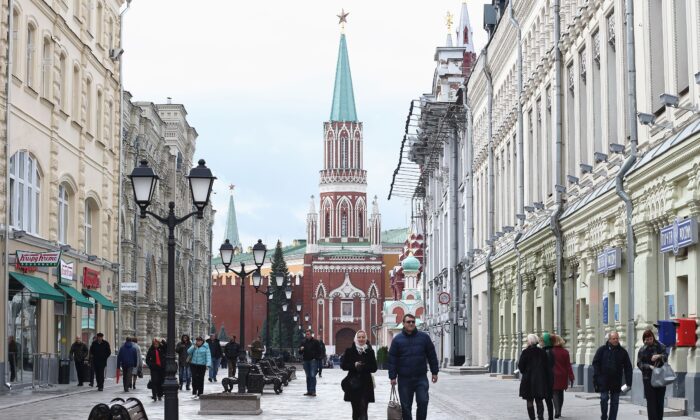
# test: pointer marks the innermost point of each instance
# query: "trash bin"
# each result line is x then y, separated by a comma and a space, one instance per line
64, 371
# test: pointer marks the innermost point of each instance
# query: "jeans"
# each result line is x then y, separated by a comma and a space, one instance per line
198, 372
185, 376
231, 369
409, 385
215, 361
310, 367
614, 397
655, 400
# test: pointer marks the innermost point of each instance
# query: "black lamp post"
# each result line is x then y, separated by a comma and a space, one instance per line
143, 181
259, 250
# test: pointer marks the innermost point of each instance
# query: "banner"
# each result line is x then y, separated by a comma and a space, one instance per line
38, 259
66, 271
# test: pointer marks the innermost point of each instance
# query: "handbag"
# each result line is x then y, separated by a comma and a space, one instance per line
351, 383
662, 376
149, 385
393, 410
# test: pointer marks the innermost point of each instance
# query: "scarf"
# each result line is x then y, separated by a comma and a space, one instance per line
363, 348
157, 357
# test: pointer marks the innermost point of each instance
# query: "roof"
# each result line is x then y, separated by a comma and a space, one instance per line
343, 108
395, 236
297, 250
232, 224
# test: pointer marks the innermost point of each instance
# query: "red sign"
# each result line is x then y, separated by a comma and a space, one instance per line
91, 278
444, 298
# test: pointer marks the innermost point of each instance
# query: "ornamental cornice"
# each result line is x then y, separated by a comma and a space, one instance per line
334, 268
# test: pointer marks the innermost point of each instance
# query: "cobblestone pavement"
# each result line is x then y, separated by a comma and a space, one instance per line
453, 397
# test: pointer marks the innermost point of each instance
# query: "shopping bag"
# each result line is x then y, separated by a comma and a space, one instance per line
393, 411
662, 376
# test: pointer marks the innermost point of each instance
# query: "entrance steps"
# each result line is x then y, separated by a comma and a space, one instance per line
464, 370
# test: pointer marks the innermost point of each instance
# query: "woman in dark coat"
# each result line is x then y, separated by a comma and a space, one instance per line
651, 355
534, 384
360, 362
155, 360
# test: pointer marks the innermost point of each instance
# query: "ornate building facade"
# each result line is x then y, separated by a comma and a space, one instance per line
161, 135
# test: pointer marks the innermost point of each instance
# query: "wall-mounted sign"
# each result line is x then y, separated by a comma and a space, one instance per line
605, 308
609, 260
130, 287
38, 259
91, 278
67, 271
681, 234
444, 298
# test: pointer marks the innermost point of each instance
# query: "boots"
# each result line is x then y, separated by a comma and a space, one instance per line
180, 386
531, 412
188, 385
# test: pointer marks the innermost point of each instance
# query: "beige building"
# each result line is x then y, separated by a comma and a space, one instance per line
60, 122
161, 135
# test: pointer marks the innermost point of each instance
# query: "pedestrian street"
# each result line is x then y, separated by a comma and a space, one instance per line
452, 397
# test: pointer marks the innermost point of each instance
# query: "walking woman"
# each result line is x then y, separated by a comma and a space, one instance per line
563, 374
155, 359
360, 362
200, 359
534, 384
651, 355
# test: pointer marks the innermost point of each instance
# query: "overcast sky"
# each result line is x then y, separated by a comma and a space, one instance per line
256, 78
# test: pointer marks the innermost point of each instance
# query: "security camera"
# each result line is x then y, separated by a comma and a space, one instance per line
560, 189
617, 148
538, 205
585, 168
520, 216
115, 53
646, 119
572, 179
508, 229
529, 209
600, 157
670, 100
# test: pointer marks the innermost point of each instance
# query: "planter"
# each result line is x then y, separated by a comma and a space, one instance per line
225, 403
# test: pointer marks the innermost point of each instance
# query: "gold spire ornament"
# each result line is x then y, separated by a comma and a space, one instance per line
449, 21
342, 19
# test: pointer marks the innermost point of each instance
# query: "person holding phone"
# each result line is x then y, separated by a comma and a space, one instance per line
360, 362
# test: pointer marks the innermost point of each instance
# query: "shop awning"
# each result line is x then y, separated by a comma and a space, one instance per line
38, 288
77, 297
106, 304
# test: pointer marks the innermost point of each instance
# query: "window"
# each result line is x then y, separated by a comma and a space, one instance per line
24, 192
344, 152
91, 223
99, 116
46, 69
100, 18
583, 109
346, 311
657, 56
63, 212
681, 31
88, 104
343, 223
15, 40
63, 77
88, 15
361, 224
328, 224
31, 35
110, 33
76, 93
110, 124
612, 82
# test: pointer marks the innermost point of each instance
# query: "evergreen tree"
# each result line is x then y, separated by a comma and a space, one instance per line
281, 323
222, 334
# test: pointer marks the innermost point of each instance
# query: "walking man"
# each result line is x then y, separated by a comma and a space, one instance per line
216, 353
408, 355
322, 356
184, 373
610, 362
310, 350
99, 353
232, 350
79, 354
127, 360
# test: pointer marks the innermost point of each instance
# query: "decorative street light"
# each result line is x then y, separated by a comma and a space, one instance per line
143, 182
299, 307
259, 251
306, 317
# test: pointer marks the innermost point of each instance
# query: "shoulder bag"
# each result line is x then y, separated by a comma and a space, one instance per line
662, 376
393, 411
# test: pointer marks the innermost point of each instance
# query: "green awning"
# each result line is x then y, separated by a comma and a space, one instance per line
78, 298
38, 288
106, 304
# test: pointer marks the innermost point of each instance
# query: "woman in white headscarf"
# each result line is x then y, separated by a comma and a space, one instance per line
360, 362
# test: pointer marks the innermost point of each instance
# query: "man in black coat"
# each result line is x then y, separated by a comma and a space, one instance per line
79, 354
322, 357
610, 363
310, 351
216, 353
99, 353
232, 350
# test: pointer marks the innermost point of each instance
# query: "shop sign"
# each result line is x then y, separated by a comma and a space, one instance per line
681, 234
91, 278
38, 259
609, 260
130, 287
605, 309
67, 271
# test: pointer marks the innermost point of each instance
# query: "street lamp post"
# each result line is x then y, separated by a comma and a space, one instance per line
226, 250
143, 181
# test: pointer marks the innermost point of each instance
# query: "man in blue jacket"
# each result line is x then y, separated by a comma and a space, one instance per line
127, 360
409, 353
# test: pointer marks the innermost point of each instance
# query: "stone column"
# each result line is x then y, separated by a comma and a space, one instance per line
330, 321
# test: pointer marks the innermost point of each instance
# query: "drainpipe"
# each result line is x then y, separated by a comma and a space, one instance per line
469, 233
627, 165
120, 199
491, 202
521, 176
558, 146
454, 245
8, 201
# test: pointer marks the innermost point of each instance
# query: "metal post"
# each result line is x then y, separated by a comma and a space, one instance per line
267, 318
170, 383
242, 381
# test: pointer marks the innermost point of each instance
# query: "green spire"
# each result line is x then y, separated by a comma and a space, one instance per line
231, 224
343, 97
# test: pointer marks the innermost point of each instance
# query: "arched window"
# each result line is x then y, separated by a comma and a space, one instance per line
46, 69
15, 39
31, 46
24, 192
76, 94
344, 222
360, 224
63, 77
328, 224
91, 226
99, 116
88, 104
344, 152
63, 213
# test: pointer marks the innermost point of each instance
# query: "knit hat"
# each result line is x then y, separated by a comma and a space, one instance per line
547, 340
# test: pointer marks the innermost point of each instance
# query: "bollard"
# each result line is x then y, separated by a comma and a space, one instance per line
243, 369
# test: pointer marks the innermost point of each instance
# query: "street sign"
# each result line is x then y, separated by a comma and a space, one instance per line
605, 309
130, 287
609, 260
681, 234
444, 298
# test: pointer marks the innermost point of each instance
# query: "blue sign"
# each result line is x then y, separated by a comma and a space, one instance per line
605, 309
617, 312
681, 234
609, 260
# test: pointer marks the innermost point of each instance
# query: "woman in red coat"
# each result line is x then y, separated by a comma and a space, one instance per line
563, 374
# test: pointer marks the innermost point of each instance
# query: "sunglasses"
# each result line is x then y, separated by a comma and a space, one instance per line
410, 322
